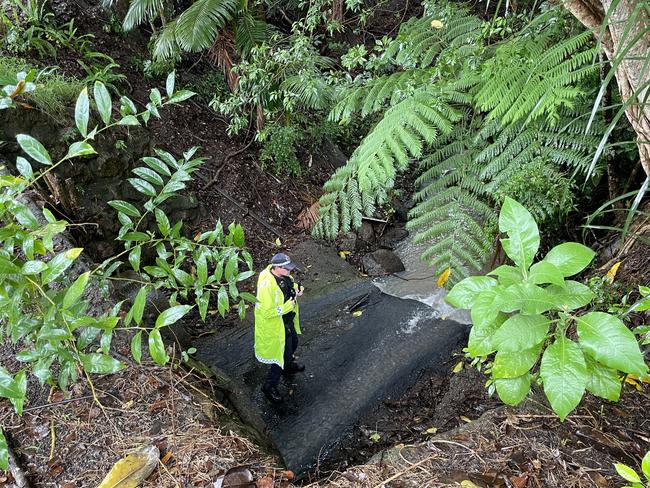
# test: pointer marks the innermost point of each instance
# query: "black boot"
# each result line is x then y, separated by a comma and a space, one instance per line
272, 394
292, 368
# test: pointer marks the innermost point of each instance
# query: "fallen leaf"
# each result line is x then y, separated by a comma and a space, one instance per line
458, 368
166, 457
278, 242
444, 276
133, 469
437, 24
344, 254
611, 274
288, 475
308, 217
18, 90
375, 437
266, 482
468, 484
431, 430
357, 313
465, 419
519, 481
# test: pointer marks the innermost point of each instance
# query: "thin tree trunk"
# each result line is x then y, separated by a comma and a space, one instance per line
631, 75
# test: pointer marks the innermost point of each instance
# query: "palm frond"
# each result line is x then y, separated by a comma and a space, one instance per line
198, 26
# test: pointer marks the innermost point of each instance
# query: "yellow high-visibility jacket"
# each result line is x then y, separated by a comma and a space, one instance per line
269, 327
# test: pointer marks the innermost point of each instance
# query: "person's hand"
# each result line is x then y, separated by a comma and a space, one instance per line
300, 291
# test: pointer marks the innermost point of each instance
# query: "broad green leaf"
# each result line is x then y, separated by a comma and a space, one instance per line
521, 332
103, 102
202, 269
606, 339
528, 298
523, 235
7, 267
172, 315
564, 372
25, 217
571, 296
180, 96
223, 302
134, 257
129, 120
627, 473
33, 267
645, 465
136, 236
464, 294
4, 452
136, 347
162, 221
245, 275
9, 388
21, 383
508, 364
603, 381
544, 272
248, 297
238, 236
139, 303
82, 112
508, 275
34, 149
231, 268
570, 258
24, 168
183, 277
203, 302
81, 148
169, 85
481, 337
149, 175
157, 165
157, 348
486, 306
76, 290
60, 263
155, 97
125, 207
513, 390
100, 363
143, 186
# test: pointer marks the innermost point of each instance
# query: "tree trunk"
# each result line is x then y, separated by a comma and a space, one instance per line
631, 75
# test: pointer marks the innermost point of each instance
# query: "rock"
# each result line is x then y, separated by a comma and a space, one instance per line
381, 262
366, 232
393, 235
401, 210
348, 242
328, 157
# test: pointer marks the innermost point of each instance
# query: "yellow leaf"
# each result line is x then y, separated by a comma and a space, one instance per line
375, 437
437, 24
444, 276
431, 430
278, 242
458, 368
132, 470
465, 419
611, 274
18, 90
344, 254
631, 379
357, 313
468, 484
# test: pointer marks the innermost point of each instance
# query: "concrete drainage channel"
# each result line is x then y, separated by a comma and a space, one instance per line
353, 360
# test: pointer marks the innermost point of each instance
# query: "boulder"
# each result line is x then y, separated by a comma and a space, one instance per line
382, 261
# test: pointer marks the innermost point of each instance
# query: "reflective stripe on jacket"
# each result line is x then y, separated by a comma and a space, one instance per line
269, 327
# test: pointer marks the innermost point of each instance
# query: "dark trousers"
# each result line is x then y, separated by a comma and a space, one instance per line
290, 346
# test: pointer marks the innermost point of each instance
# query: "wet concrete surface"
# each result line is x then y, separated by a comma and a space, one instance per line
353, 361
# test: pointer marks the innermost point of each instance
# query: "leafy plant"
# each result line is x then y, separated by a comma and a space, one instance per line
44, 309
525, 323
629, 474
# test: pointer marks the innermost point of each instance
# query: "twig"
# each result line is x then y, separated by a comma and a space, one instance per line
435, 441
52, 439
225, 161
16, 471
56, 404
411, 467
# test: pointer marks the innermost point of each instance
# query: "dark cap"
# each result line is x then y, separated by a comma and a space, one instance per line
281, 260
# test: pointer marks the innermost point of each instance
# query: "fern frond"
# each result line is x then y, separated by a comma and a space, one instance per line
198, 26
249, 33
141, 11
166, 46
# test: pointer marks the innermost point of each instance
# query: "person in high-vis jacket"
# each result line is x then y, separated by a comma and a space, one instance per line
277, 323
